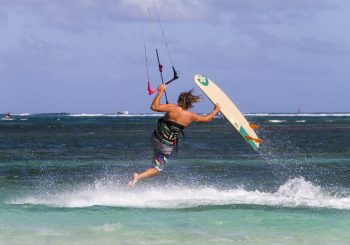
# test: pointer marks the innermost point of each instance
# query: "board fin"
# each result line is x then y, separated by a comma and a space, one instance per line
254, 126
256, 140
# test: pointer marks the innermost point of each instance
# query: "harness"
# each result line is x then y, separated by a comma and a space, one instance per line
168, 132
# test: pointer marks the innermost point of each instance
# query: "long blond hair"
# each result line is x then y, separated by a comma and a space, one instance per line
186, 99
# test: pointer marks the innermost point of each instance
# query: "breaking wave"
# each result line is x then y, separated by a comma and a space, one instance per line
277, 121
296, 192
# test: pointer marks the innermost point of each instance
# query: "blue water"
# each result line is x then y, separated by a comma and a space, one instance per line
63, 181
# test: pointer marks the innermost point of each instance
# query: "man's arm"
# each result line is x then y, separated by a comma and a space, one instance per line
156, 105
209, 117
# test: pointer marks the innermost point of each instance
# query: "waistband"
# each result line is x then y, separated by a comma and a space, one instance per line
161, 139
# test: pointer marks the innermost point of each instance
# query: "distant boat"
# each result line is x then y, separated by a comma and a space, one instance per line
123, 113
7, 116
299, 111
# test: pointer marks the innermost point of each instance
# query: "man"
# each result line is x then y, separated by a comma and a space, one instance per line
164, 138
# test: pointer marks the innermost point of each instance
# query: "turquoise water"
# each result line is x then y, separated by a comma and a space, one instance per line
63, 181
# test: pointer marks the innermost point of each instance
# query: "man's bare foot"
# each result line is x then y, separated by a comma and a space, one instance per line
134, 180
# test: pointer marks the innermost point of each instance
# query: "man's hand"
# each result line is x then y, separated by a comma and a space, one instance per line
217, 107
161, 88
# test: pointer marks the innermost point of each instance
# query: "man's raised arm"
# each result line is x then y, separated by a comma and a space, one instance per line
209, 117
156, 105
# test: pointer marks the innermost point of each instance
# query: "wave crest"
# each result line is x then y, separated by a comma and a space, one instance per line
295, 192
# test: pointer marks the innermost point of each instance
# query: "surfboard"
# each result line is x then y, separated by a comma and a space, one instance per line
229, 110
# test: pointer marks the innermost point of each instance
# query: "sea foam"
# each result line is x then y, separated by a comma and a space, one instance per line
296, 192
277, 121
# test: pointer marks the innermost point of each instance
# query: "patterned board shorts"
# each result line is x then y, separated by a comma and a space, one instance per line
161, 153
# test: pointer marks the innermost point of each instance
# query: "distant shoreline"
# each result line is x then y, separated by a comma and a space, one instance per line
281, 114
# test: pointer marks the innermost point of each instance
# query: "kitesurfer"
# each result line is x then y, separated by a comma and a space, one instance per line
165, 138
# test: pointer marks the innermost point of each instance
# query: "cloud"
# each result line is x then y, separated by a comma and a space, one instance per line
3, 18
251, 17
314, 46
78, 14
303, 43
234, 56
32, 52
268, 6
33, 60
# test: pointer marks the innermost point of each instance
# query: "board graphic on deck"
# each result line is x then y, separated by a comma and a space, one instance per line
229, 110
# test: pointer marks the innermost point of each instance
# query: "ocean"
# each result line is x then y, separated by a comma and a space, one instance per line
63, 180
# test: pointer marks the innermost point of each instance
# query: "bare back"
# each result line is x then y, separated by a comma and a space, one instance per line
178, 115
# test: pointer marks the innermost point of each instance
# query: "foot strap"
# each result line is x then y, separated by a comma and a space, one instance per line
256, 140
254, 126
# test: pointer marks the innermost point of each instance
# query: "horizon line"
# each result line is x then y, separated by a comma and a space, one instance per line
149, 113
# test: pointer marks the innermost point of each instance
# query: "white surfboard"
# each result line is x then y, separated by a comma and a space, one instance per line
228, 109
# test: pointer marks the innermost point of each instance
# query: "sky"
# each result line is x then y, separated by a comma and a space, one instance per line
87, 56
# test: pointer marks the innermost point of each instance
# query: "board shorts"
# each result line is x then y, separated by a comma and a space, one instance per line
161, 152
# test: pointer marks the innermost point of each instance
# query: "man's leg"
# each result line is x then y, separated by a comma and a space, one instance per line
145, 174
